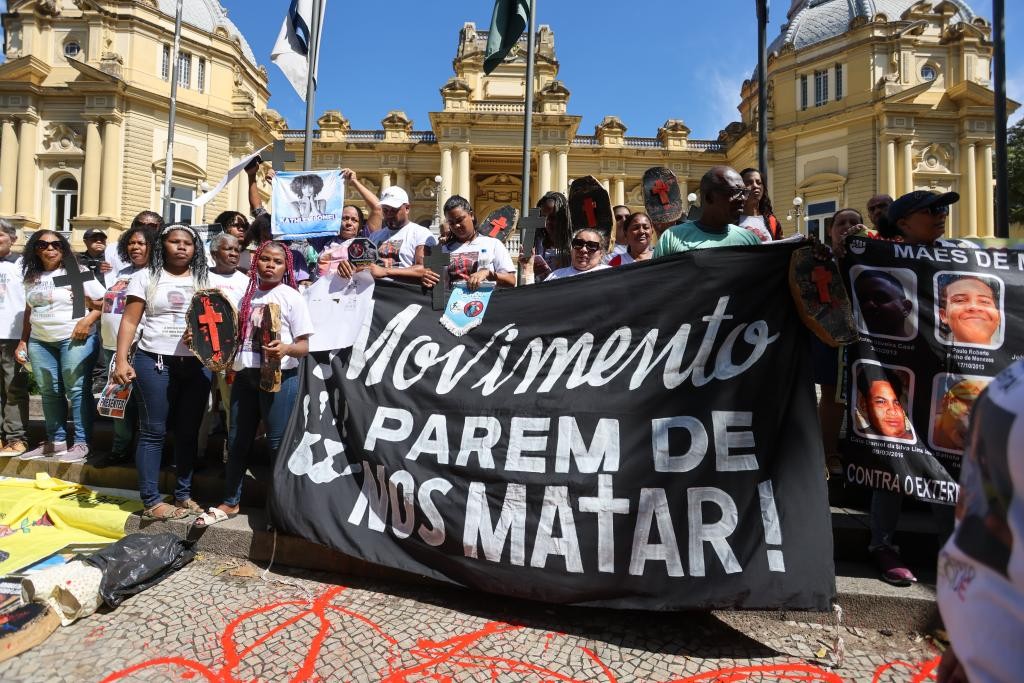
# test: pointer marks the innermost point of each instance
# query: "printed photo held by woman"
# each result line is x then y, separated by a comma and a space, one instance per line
586, 255
475, 258
134, 247
354, 223
60, 346
271, 283
640, 238
171, 385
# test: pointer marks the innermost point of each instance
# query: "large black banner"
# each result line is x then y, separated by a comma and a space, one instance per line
937, 324
638, 437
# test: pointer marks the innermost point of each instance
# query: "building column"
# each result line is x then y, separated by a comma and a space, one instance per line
400, 181
619, 196
684, 193
562, 177
464, 173
90, 194
385, 180
606, 184
544, 173
26, 198
988, 208
241, 190
446, 173
890, 168
971, 182
110, 193
908, 166
8, 167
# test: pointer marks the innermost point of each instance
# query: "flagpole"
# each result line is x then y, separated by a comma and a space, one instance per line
311, 60
762, 88
1002, 208
169, 159
528, 112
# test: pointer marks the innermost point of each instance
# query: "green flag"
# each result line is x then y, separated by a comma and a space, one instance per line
508, 23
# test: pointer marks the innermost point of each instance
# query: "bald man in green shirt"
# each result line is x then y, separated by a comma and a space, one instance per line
722, 194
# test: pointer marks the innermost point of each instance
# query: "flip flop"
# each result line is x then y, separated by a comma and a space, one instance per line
190, 506
175, 513
213, 516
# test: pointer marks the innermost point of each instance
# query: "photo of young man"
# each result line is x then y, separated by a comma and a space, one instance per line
883, 395
884, 302
953, 397
969, 309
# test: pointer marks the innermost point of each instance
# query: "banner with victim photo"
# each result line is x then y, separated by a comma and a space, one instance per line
307, 204
582, 444
936, 324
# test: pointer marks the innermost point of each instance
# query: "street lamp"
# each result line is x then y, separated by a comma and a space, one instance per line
798, 203
436, 192
691, 198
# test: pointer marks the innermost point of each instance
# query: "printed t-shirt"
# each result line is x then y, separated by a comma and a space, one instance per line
295, 322
233, 285
756, 225
397, 248
164, 322
53, 307
12, 299
481, 252
570, 271
688, 236
621, 259
113, 307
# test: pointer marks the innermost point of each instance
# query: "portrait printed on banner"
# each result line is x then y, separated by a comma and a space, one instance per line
307, 204
885, 302
882, 396
953, 397
969, 309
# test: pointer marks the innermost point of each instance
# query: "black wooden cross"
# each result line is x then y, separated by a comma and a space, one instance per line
437, 260
280, 156
77, 279
528, 228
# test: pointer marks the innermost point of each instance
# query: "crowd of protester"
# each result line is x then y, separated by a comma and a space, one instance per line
133, 329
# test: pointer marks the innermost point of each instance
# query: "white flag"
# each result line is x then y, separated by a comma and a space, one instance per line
291, 51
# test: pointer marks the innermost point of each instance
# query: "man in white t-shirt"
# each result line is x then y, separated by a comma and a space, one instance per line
401, 244
13, 377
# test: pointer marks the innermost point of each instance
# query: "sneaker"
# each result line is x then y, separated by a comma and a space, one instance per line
47, 449
13, 449
894, 569
77, 453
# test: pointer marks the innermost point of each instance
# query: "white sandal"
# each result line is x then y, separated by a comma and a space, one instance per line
213, 516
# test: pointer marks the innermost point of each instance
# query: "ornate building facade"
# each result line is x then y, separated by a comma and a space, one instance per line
84, 99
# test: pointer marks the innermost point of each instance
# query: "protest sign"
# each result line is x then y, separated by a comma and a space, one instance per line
307, 204
936, 325
582, 445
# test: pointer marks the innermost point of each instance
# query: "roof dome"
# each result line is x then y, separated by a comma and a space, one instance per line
208, 15
813, 21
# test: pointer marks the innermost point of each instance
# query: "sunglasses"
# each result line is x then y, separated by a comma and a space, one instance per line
586, 244
731, 193
43, 245
935, 210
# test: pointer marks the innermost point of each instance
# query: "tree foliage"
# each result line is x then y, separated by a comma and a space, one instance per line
1015, 167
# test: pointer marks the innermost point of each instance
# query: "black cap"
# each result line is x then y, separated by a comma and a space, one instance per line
94, 232
917, 200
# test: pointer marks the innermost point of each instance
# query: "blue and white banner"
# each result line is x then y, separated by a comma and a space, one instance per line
465, 309
307, 204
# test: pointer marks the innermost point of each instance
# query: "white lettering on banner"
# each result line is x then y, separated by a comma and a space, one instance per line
401, 488
433, 439
603, 453
372, 499
512, 519
772, 526
556, 504
548, 362
435, 534
378, 430
725, 442
481, 445
715, 533
666, 462
654, 506
605, 505
938, 254
518, 442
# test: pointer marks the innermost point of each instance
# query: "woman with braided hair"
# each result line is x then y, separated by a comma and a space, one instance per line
758, 216
271, 281
171, 385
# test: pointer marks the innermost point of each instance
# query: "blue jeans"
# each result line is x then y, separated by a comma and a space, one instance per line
248, 406
170, 394
63, 372
125, 428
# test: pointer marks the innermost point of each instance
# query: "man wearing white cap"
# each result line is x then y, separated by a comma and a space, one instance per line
400, 243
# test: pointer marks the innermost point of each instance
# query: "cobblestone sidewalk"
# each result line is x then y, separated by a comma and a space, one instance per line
219, 620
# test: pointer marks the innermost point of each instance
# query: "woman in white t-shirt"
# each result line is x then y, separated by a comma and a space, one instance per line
586, 252
639, 241
61, 346
271, 281
133, 248
475, 258
171, 385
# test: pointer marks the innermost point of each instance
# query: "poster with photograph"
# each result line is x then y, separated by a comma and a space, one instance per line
307, 204
936, 325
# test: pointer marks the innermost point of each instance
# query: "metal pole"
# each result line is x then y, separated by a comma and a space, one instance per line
311, 60
1002, 209
169, 159
762, 88
524, 208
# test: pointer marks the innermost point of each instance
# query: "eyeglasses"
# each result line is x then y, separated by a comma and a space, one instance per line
43, 245
935, 210
586, 244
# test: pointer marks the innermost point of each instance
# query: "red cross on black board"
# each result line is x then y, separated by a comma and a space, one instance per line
822, 278
497, 225
660, 188
589, 209
209, 317
76, 278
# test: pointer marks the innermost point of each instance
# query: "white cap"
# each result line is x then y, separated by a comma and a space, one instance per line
394, 196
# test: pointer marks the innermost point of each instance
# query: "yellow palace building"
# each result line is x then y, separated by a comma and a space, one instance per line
864, 96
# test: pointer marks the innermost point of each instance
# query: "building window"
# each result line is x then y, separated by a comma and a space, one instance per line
928, 73
72, 49
181, 204
839, 82
803, 92
65, 203
820, 88
201, 75
819, 218
165, 64
184, 70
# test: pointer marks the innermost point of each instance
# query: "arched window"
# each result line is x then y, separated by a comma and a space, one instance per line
65, 203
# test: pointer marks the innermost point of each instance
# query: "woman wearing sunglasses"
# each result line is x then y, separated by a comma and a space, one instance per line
586, 254
61, 347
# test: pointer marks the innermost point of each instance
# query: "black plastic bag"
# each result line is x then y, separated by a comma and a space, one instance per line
137, 562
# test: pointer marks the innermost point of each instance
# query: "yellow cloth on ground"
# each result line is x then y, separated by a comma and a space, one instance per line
40, 516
